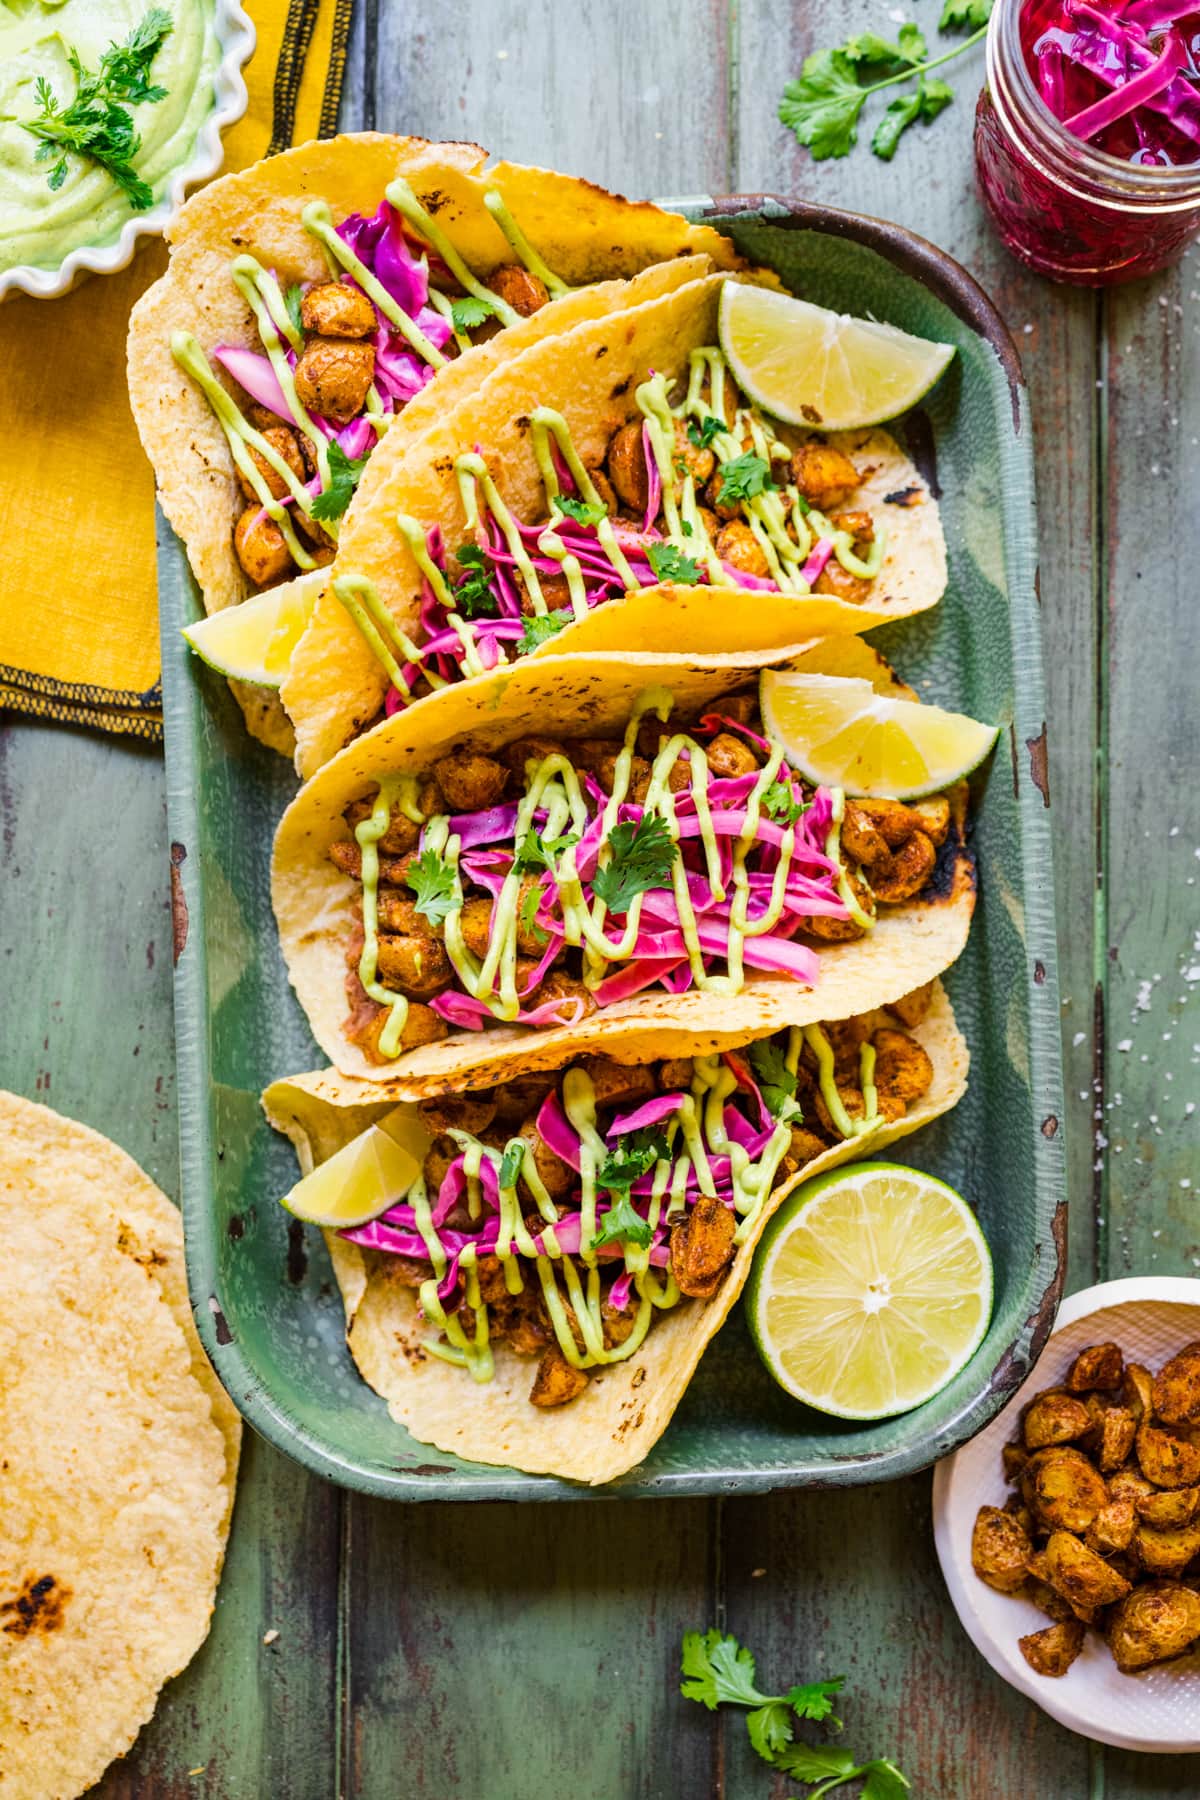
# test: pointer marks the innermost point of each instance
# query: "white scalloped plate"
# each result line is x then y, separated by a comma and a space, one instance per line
1159, 1709
236, 36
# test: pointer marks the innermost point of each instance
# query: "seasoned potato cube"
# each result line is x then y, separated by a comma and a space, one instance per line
1170, 1510
557, 1381
1139, 1390
1054, 1418
1176, 1388
1014, 1457
1052, 1650
1112, 1528
1116, 1435
1127, 1484
1154, 1622
1079, 1575
1062, 1490
1166, 1460
1167, 1552
1000, 1548
1099, 1366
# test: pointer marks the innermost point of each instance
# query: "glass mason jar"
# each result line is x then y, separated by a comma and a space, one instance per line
1068, 210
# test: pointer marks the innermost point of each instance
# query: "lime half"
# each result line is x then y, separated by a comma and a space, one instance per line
871, 1289
365, 1176
846, 734
254, 640
810, 366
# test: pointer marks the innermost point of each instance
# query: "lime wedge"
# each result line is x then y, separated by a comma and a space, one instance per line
810, 366
365, 1176
845, 734
254, 641
871, 1289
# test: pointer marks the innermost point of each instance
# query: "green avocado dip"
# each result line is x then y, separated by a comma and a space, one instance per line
65, 198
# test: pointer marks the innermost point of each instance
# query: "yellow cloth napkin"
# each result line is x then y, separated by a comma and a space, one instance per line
78, 603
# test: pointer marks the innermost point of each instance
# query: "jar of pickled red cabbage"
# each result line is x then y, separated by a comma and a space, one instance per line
1087, 135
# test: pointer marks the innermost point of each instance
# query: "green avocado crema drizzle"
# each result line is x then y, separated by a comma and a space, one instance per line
571, 1285
553, 784
822, 1049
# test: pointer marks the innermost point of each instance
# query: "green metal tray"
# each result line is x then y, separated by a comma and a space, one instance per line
265, 1300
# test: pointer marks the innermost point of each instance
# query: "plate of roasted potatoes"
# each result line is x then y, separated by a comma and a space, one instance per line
1068, 1530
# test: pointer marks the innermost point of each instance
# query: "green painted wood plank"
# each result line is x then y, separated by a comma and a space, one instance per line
631, 94
85, 949
848, 1584
497, 1652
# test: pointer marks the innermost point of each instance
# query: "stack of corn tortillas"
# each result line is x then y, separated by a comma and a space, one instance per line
118, 1455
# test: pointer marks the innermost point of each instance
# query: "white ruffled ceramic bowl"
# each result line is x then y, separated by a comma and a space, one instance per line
1151, 1317
236, 37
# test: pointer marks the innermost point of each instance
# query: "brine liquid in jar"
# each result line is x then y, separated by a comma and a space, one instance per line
1088, 134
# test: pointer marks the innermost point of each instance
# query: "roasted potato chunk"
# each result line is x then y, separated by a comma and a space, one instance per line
457, 1112
555, 1176
517, 287
1062, 1490
1112, 1528
334, 309
907, 872
261, 547
903, 1071
1099, 1366
840, 584
626, 462
1079, 1575
470, 781
1166, 1552
1166, 1460
283, 443
702, 1247
1139, 1390
1052, 1650
737, 545
1176, 1388
1054, 1418
1170, 1510
1116, 1434
618, 1084
825, 476
1153, 1623
1000, 1549
910, 1009
421, 1026
418, 966
730, 756
334, 376
557, 1381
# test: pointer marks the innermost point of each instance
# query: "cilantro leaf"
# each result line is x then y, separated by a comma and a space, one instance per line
884, 1781
622, 1223
744, 477
935, 97
814, 1699
925, 102
535, 853
474, 596
512, 1162
670, 564
703, 433
822, 105
94, 124
816, 1762
717, 1669
292, 300
770, 1729
468, 313
634, 1156
964, 15
584, 512
435, 884
541, 628
642, 857
780, 802
344, 474
777, 1085
528, 916
869, 48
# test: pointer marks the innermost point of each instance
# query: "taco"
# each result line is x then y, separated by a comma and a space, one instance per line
313, 300
608, 489
597, 852
542, 1292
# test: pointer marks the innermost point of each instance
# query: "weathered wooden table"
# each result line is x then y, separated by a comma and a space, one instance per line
492, 1653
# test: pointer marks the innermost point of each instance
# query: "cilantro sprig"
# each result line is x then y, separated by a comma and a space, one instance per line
435, 885
718, 1671
701, 432
535, 852
822, 105
468, 313
634, 1156
541, 628
94, 123
642, 857
474, 596
744, 477
344, 474
670, 564
780, 802
584, 512
775, 1080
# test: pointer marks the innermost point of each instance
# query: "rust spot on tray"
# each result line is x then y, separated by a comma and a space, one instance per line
1039, 973
236, 1227
1050, 1126
224, 1335
179, 910
1016, 771
297, 1253
38, 1607
1039, 770
918, 434
1012, 1369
